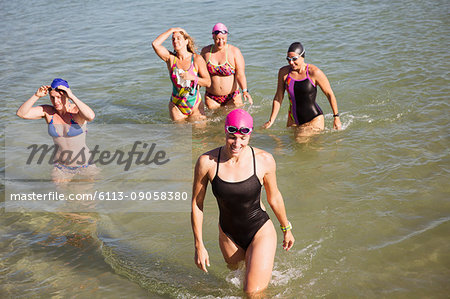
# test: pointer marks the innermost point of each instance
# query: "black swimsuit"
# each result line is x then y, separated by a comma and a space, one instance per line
241, 215
302, 95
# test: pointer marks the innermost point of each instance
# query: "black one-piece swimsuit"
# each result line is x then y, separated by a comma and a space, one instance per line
241, 215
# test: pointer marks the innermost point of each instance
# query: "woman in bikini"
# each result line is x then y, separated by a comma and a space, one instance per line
66, 119
300, 81
187, 72
226, 66
237, 173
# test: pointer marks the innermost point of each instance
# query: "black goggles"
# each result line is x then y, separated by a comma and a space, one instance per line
219, 32
242, 130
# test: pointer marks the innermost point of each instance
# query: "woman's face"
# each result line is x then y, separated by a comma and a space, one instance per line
178, 41
236, 143
58, 98
295, 60
220, 40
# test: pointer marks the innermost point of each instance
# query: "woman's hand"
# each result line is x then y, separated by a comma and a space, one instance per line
337, 123
66, 90
248, 97
176, 29
288, 241
42, 91
201, 258
188, 76
268, 124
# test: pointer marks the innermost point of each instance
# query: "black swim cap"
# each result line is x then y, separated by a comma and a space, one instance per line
297, 48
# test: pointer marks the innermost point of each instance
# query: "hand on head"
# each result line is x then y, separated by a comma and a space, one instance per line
64, 88
179, 29
42, 91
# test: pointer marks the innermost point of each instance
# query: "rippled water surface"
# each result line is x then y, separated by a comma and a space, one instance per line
369, 204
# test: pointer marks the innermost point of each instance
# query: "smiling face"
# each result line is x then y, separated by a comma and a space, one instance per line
178, 41
220, 40
58, 99
236, 143
295, 60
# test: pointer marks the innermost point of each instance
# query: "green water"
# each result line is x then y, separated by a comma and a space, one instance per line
369, 204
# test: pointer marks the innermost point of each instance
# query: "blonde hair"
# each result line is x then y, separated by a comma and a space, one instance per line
191, 44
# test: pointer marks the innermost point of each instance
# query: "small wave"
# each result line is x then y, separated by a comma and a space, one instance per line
431, 225
348, 119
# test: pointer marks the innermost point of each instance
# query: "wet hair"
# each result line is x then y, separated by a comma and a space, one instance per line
297, 47
191, 44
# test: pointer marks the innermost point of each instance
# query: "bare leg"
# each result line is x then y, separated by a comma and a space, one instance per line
61, 177
259, 260
198, 112
236, 101
211, 104
307, 130
175, 113
232, 253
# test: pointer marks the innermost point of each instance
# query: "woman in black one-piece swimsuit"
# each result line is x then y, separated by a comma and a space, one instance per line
237, 173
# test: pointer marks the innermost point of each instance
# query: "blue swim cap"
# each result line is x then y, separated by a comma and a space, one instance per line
58, 82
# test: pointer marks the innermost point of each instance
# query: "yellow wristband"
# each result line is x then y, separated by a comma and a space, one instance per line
286, 228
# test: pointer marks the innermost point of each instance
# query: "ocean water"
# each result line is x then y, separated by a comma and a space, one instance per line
370, 204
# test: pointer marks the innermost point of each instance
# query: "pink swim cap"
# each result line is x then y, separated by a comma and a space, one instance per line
239, 118
219, 27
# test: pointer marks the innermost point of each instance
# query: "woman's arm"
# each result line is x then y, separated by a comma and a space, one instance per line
198, 195
27, 111
241, 79
203, 79
160, 50
324, 84
84, 111
275, 199
278, 99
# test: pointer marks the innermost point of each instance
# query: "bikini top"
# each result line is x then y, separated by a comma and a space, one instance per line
74, 130
225, 69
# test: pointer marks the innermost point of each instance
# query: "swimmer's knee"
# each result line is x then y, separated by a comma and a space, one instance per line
254, 292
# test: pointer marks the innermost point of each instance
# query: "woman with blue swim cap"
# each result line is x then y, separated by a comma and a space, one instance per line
300, 81
237, 173
66, 119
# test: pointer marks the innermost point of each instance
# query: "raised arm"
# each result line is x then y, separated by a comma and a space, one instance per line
27, 111
279, 96
275, 199
160, 50
198, 195
324, 84
85, 113
240, 73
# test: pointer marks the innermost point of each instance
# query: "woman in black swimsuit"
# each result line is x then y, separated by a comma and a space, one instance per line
300, 80
237, 172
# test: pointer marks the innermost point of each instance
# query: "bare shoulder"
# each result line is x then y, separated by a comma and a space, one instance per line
313, 69
284, 71
205, 50
264, 159
208, 159
234, 50
198, 58
48, 109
